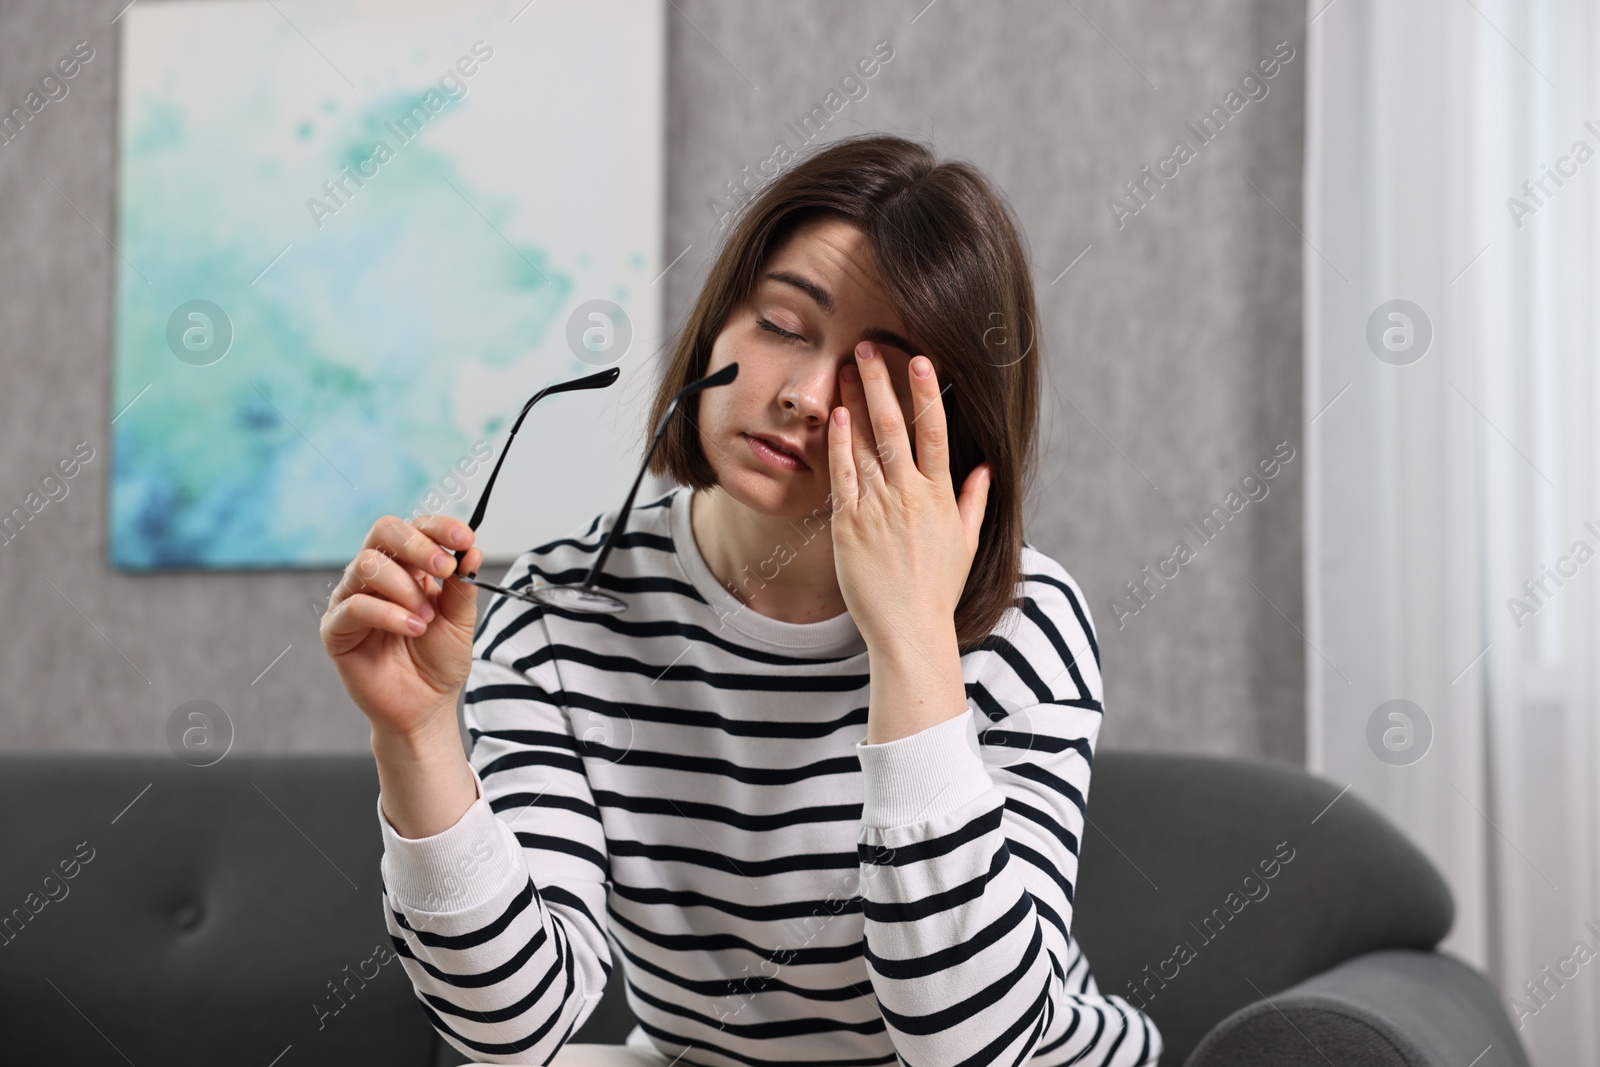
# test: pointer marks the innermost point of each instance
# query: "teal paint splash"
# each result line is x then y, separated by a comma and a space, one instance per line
336, 402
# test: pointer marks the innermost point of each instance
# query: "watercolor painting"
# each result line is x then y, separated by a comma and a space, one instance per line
353, 238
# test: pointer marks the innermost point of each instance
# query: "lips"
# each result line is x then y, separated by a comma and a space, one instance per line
781, 445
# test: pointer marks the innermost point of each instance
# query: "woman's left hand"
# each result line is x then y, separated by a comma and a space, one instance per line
902, 542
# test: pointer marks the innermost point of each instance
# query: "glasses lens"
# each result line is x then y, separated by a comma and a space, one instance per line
519, 594
570, 597
578, 598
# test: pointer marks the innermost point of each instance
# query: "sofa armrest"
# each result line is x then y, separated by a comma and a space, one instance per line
1397, 1008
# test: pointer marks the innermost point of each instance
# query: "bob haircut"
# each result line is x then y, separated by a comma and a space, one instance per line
952, 262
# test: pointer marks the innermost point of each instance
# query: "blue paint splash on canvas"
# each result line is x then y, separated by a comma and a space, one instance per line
338, 398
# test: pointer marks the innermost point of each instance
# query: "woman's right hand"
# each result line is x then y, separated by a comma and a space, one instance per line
401, 642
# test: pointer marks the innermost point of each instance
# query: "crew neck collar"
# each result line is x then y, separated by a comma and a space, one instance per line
836, 636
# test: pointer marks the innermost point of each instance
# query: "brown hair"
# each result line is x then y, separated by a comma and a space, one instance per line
952, 262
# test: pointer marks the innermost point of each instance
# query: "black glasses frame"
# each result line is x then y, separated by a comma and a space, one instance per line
586, 595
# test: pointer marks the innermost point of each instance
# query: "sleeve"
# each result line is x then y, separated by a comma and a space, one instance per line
507, 968
969, 850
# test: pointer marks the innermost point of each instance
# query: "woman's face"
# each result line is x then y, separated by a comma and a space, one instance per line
821, 289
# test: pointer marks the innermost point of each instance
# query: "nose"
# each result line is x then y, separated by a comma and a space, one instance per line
813, 391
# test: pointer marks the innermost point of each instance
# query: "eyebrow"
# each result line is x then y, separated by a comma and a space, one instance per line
824, 300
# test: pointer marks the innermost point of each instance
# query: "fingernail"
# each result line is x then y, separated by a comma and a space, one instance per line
441, 561
849, 373
921, 367
427, 612
415, 625
460, 536
867, 350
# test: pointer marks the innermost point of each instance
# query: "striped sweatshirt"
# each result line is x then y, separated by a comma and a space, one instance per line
687, 785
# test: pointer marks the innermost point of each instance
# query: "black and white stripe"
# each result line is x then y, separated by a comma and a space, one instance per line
683, 781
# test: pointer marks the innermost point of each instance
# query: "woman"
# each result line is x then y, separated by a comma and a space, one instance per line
763, 784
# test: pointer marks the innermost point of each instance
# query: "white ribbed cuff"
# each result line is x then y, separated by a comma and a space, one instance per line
922, 776
455, 869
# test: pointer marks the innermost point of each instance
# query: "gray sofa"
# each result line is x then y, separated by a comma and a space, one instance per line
156, 913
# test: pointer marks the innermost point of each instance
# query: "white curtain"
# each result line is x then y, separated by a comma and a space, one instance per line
1451, 470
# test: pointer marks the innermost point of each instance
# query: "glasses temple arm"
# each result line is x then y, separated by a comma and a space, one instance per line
721, 377
627, 505
593, 381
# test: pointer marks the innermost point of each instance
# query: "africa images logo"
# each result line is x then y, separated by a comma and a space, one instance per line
451, 88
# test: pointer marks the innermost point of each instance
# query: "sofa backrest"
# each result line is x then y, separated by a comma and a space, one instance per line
180, 915
1206, 884
155, 912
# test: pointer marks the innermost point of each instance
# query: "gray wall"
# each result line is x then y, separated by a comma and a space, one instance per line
1173, 346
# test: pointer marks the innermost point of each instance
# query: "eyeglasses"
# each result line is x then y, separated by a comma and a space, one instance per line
585, 596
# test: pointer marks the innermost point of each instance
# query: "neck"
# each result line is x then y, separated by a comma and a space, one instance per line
775, 565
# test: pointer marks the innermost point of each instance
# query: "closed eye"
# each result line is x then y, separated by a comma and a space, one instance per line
771, 328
